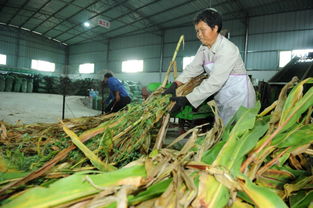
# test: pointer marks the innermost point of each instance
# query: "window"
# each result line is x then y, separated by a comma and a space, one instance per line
301, 53
187, 60
86, 68
43, 65
3, 59
132, 66
286, 56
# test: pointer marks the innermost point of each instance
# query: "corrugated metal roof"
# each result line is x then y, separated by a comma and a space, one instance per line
63, 20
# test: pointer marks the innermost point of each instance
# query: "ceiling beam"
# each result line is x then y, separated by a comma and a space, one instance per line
38, 10
3, 5
136, 12
146, 28
96, 15
52, 15
243, 10
181, 16
149, 16
231, 15
216, 5
238, 13
19, 9
66, 19
30, 10
116, 18
241, 7
140, 29
185, 24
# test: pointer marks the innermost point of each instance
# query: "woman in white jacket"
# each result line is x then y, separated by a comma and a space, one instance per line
220, 59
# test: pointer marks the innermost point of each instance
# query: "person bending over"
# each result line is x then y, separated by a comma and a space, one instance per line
220, 59
118, 97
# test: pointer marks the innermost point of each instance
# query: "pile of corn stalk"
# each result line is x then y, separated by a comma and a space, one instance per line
49, 151
258, 160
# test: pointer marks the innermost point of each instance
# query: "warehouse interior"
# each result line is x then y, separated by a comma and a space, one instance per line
67, 35
53, 58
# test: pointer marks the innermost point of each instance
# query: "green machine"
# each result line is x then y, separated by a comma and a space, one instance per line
189, 117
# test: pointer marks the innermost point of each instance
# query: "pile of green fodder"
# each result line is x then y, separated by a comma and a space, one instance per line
25, 147
257, 160
42, 152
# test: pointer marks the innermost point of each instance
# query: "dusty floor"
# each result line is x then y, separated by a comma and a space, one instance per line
40, 108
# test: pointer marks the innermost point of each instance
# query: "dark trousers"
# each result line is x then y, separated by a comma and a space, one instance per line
111, 108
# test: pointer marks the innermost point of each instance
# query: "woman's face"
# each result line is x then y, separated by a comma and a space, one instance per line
206, 34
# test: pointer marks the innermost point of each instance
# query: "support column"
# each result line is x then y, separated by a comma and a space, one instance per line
65, 79
161, 55
17, 49
246, 41
108, 55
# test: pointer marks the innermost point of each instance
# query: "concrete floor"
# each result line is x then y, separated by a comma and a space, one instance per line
40, 108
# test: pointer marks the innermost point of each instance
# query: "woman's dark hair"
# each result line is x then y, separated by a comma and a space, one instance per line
211, 17
108, 75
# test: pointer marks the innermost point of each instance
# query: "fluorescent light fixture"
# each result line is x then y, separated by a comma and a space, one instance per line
13, 25
23, 28
37, 32
56, 40
86, 24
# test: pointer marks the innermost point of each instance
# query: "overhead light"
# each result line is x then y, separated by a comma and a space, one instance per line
86, 24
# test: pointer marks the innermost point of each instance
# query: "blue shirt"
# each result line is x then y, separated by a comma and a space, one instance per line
115, 85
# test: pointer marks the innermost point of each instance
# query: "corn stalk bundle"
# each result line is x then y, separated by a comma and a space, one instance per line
120, 138
116, 137
25, 146
31, 151
258, 160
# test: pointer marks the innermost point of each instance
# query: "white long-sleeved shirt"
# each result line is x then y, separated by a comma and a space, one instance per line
225, 59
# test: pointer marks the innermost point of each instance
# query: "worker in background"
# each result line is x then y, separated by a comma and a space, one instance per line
220, 59
118, 97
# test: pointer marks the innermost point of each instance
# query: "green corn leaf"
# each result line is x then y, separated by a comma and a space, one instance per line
210, 155
241, 142
298, 136
240, 204
273, 178
302, 199
152, 192
296, 173
262, 197
5, 176
71, 188
292, 113
211, 193
242, 120
294, 96
283, 159
244, 196
244, 123
300, 184
88, 153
